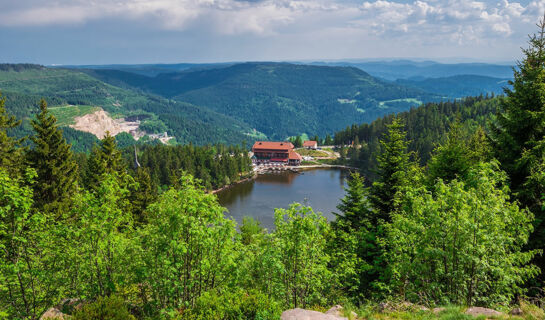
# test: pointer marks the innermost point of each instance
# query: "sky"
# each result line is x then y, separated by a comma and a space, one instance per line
174, 31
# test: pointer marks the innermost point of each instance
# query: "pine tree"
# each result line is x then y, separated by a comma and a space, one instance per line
518, 134
104, 159
355, 207
11, 155
392, 170
328, 141
452, 159
144, 193
520, 122
53, 161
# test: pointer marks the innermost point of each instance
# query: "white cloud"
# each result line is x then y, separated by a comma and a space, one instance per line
424, 22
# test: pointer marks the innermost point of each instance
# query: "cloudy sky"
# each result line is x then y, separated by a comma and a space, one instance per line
149, 31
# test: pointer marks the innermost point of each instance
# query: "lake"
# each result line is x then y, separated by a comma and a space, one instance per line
321, 189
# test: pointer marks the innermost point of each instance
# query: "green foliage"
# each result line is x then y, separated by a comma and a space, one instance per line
24, 289
426, 126
11, 156
517, 135
104, 308
355, 243
188, 123
392, 170
251, 230
300, 243
52, 159
187, 247
450, 160
96, 241
210, 164
279, 99
234, 305
460, 244
104, 159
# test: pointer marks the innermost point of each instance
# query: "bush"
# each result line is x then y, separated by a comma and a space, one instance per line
104, 308
234, 305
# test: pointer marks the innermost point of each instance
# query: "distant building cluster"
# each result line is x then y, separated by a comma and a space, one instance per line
269, 152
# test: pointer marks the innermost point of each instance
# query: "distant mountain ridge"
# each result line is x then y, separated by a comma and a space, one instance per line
280, 99
406, 69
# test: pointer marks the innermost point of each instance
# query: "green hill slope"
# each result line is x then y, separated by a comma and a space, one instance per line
280, 99
24, 85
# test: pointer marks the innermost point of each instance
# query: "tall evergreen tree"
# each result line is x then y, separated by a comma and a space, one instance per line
452, 159
53, 161
518, 134
142, 195
392, 170
104, 159
11, 155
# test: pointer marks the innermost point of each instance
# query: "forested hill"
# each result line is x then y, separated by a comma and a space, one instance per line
78, 93
426, 127
280, 99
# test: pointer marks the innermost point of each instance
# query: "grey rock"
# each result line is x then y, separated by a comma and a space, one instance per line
54, 314
479, 311
302, 314
516, 312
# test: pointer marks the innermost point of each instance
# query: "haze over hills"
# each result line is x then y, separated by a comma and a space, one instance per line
407, 69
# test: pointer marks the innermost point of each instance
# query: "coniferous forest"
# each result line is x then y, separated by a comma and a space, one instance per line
448, 211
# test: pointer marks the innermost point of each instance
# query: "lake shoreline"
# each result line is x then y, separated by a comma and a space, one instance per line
293, 169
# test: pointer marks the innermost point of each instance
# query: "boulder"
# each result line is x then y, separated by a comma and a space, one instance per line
338, 311
516, 312
302, 314
479, 311
54, 314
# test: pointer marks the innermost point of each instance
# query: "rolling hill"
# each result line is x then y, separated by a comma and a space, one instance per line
407, 69
279, 99
458, 86
24, 85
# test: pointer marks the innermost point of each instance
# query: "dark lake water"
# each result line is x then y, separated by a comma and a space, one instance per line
321, 189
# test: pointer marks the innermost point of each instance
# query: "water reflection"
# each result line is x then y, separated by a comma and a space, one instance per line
321, 189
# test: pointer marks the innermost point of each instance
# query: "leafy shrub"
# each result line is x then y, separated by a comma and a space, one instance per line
104, 308
234, 305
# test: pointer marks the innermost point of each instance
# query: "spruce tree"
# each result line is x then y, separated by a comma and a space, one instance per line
452, 159
144, 193
518, 134
392, 170
53, 161
104, 159
11, 155
520, 123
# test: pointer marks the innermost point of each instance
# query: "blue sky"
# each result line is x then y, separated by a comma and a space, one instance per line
169, 31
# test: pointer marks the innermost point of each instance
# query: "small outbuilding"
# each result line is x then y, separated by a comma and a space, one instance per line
309, 144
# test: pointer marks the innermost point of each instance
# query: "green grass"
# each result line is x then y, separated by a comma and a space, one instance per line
65, 114
312, 153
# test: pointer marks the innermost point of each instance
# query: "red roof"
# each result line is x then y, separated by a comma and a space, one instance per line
309, 143
270, 145
295, 156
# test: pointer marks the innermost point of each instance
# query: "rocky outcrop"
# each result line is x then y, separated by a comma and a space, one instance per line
302, 314
516, 312
54, 314
480, 311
